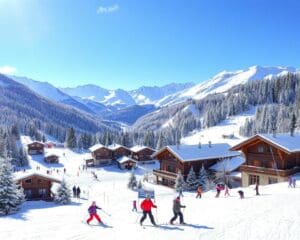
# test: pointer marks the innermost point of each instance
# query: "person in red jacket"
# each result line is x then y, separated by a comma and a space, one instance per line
146, 206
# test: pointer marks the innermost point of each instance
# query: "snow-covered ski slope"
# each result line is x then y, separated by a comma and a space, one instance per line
274, 215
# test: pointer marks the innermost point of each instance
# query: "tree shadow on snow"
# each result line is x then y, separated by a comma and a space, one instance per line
33, 205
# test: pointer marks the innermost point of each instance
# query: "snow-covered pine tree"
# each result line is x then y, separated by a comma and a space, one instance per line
203, 178
180, 183
23, 158
162, 141
70, 140
63, 194
132, 181
191, 180
10, 197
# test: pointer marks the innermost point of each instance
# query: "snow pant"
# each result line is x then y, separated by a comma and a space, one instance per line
218, 193
176, 214
92, 216
198, 195
150, 216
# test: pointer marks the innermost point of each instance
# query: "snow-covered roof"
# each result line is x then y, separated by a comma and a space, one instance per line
87, 156
283, 140
195, 153
22, 175
116, 146
228, 164
48, 154
125, 159
97, 146
139, 148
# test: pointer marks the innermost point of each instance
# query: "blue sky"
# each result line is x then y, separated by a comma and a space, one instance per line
130, 43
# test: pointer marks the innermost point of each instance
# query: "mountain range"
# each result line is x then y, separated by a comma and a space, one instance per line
129, 106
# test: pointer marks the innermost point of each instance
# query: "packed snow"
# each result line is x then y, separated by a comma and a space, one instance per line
273, 215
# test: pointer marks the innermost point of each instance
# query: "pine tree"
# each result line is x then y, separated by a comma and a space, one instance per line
203, 179
63, 195
179, 184
293, 124
162, 141
70, 141
10, 197
132, 181
23, 157
191, 180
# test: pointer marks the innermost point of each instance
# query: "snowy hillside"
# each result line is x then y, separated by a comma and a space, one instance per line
152, 95
272, 215
226, 80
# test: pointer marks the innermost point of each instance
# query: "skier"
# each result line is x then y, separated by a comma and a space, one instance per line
294, 182
199, 192
290, 181
226, 191
74, 191
256, 189
177, 211
134, 208
218, 188
93, 213
146, 206
78, 192
241, 193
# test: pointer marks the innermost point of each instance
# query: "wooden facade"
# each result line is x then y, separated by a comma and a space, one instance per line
35, 148
171, 165
266, 161
126, 163
120, 152
37, 187
102, 156
143, 155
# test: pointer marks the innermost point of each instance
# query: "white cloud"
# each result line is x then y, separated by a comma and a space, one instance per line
108, 9
7, 70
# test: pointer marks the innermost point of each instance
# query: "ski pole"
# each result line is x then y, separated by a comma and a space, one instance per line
106, 213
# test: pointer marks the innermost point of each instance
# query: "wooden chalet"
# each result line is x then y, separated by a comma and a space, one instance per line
269, 159
142, 153
101, 154
126, 163
35, 148
175, 159
51, 158
119, 151
37, 186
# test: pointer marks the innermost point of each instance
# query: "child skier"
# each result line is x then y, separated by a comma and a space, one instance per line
256, 189
177, 211
241, 193
146, 206
93, 213
199, 192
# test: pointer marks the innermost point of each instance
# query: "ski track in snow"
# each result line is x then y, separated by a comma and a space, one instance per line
273, 215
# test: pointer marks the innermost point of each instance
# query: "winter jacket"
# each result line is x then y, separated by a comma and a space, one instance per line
147, 204
177, 206
93, 209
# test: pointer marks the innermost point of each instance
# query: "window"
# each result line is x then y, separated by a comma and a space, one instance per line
253, 179
27, 193
260, 148
42, 192
273, 180
171, 169
29, 181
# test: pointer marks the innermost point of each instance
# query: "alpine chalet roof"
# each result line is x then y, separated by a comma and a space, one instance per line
48, 154
22, 175
194, 152
97, 146
284, 141
229, 164
116, 146
125, 159
139, 148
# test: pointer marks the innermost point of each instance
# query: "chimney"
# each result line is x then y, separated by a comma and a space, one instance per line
209, 143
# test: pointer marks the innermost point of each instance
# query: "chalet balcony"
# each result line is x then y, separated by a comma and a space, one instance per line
270, 171
164, 174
